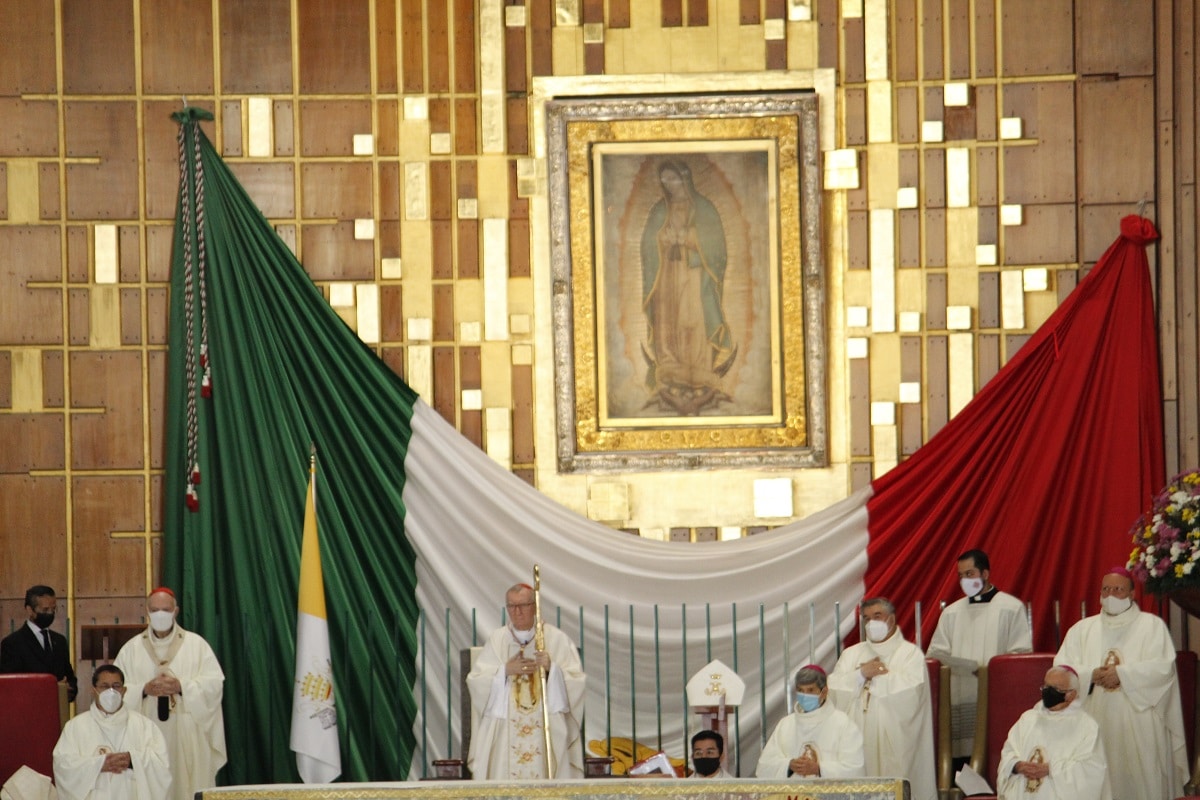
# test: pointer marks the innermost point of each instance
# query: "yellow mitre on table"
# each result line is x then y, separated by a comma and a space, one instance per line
712, 681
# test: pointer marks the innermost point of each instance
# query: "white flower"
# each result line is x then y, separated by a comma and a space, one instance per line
1180, 497
1176, 549
1187, 568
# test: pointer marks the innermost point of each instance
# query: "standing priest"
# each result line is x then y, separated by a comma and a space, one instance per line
882, 684
1126, 661
508, 739
173, 678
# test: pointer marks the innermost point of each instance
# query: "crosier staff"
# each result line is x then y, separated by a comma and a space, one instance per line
539, 644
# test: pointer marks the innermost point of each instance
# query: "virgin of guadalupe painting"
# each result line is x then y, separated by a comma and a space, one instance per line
687, 267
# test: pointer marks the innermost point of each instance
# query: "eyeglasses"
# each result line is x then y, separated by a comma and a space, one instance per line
515, 606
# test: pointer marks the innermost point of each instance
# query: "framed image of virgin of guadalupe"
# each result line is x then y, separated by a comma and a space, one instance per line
688, 305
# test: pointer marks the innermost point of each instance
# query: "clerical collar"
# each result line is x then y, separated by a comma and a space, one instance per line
984, 597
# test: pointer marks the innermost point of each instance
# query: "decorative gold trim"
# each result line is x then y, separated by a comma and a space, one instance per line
600, 789
789, 122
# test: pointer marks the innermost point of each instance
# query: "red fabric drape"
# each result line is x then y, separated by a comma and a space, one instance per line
1046, 469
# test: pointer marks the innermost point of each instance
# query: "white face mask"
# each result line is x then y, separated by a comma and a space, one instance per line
1116, 605
162, 621
877, 630
971, 586
110, 700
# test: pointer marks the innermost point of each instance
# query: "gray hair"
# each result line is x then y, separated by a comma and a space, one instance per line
879, 601
1072, 676
807, 676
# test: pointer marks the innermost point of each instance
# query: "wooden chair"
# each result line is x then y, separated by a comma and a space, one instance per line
939, 698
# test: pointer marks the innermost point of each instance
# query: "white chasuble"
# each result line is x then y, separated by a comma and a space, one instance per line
508, 740
88, 739
967, 636
893, 711
195, 726
1067, 740
1141, 721
826, 732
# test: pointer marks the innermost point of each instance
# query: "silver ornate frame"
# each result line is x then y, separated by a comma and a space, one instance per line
803, 106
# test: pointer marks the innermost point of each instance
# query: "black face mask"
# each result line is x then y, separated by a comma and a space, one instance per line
1052, 697
706, 766
43, 619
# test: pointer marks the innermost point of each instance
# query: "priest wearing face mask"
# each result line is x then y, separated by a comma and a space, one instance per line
985, 622
1054, 752
108, 752
1126, 661
34, 648
174, 680
508, 738
816, 740
882, 685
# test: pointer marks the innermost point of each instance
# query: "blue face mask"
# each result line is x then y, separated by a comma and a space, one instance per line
809, 702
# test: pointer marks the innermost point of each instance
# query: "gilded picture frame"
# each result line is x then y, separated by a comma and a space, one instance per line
689, 327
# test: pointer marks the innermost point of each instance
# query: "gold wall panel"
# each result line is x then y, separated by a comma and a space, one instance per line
22, 192
26, 387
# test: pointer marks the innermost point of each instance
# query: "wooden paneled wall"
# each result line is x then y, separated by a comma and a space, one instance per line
996, 143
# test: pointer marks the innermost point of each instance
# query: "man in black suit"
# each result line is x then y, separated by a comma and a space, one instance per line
34, 647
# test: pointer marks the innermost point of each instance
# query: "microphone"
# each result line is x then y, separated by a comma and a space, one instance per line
164, 708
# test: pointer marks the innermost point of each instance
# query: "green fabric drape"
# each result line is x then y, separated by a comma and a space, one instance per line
287, 373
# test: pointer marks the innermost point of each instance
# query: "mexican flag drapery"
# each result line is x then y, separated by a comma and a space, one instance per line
1048, 471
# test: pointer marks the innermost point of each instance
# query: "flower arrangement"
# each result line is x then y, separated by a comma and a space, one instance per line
1167, 538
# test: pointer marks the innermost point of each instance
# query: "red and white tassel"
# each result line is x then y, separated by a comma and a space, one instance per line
192, 498
195, 475
206, 383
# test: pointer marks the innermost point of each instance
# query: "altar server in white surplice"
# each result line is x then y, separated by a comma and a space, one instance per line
508, 740
986, 622
883, 686
174, 681
816, 740
1126, 663
1054, 751
108, 752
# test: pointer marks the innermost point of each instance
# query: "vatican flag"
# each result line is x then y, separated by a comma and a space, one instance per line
314, 708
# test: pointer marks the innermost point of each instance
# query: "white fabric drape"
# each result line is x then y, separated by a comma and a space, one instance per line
477, 529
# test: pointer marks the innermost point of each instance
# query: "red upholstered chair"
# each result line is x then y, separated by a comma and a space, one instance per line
29, 726
1013, 683
939, 696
